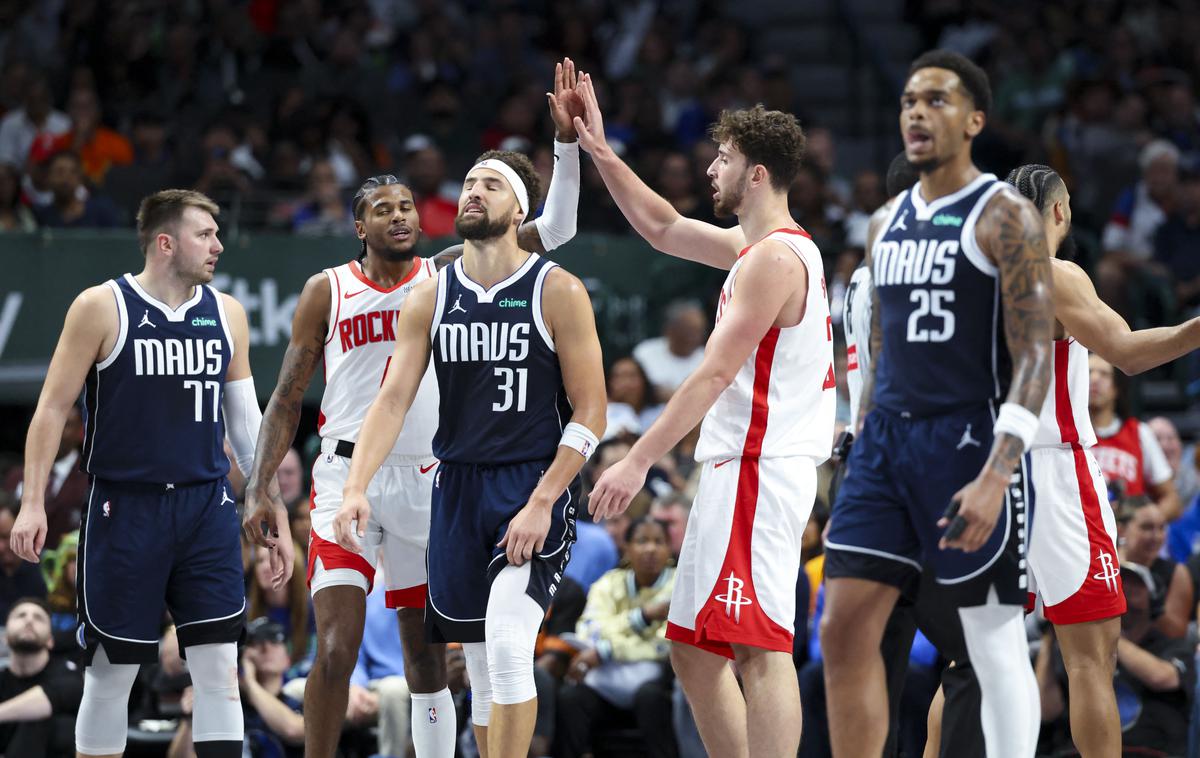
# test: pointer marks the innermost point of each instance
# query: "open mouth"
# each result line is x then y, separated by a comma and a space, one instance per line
917, 139
401, 233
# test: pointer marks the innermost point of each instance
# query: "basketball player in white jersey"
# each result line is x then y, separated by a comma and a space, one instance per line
346, 318
765, 393
1072, 549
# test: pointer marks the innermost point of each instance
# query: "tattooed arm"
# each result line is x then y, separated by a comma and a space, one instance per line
875, 337
1011, 235
304, 352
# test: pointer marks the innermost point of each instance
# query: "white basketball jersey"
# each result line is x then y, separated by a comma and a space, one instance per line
1064, 418
856, 322
782, 402
358, 349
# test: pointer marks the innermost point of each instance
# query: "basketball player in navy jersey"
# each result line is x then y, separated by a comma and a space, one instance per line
522, 405
765, 394
163, 361
960, 257
389, 229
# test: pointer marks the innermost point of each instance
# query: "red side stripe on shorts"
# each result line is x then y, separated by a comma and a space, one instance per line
409, 597
334, 556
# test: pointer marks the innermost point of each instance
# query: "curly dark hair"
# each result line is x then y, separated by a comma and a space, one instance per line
773, 139
974, 79
520, 163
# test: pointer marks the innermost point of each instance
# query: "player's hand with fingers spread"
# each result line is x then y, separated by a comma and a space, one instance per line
616, 488
355, 508
979, 506
566, 104
29, 532
527, 532
591, 126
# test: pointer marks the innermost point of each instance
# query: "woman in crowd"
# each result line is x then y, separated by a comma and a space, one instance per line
1141, 530
288, 606
620, 676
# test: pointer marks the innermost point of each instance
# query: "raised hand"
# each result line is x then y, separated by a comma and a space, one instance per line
565, 101
591, 126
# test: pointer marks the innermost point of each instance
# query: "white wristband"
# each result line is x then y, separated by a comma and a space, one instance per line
580, 439
1018, 421
556, 225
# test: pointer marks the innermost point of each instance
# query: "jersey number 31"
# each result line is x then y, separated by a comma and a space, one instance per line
507, 376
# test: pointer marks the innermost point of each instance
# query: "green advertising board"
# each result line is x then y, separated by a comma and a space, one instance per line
43, 272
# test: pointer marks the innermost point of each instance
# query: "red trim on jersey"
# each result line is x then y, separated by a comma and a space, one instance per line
1063, 412
409, 597
677, 633
358, 274
1102, 595
797, 230
334, 556
337, 298
732, 613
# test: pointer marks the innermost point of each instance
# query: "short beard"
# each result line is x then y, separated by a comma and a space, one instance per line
26, 646
927, 166
727, 204
481, 228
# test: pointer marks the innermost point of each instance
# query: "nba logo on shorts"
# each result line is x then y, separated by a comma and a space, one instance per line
433, 715
106, 508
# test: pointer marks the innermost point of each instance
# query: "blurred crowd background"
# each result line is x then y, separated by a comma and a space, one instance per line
279, 108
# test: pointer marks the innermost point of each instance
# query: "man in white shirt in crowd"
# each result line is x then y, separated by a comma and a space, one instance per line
670, 358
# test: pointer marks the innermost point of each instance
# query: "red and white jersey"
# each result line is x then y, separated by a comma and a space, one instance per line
782, 401
1064, 418
358, 348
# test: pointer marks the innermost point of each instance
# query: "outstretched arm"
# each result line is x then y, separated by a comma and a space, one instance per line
1102, 330
655, 219
569, 316
772, 273
1011, 235
91, 325
556, 226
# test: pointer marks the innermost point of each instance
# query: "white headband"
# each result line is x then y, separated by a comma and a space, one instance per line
514, 181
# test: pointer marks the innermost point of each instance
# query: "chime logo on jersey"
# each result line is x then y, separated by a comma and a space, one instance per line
483, 341
177, 357
911, 261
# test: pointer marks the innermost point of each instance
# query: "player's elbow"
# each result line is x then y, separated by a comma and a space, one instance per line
1163, 679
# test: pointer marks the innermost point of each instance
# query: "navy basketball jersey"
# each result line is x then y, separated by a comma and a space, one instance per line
939, 295
153, 405
502, 397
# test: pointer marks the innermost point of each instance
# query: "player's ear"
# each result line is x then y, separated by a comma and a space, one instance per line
976, 120
1059, 216
360, 229
759, 174
164, 243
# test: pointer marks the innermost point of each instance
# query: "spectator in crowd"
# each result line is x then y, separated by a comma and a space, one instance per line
152, 167
288, 606
632, 405
14, 216
669, 359
290, 476
378, 690
1126, 449
1155, 677
1128, 240
676, 186
67, 488
1181, 458
18, 578
625, 625
63, 568
326, 213
1141, 532
272, 718
39, 693
221, 178
36, 116
72, 205
1178, 239
99, 148
673, 511
425, 170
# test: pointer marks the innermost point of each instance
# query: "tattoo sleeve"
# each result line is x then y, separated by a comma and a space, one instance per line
1011, 234
282, 416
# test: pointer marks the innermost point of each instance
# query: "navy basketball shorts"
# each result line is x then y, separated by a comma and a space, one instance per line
902, 474
472, 507
146, 547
